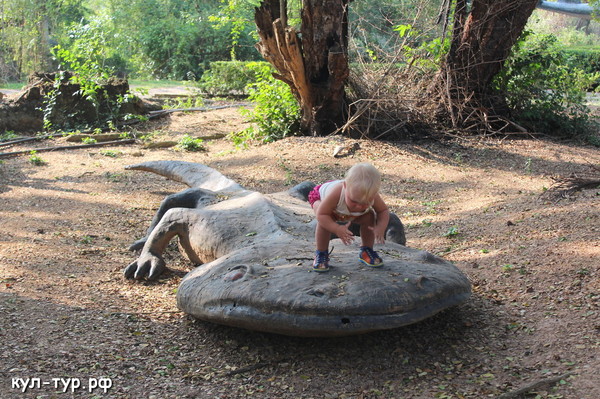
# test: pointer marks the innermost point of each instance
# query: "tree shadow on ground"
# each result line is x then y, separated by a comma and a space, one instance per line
486, 155
433, 347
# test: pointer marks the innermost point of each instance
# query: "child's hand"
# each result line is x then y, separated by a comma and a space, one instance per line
345, 234
379, 234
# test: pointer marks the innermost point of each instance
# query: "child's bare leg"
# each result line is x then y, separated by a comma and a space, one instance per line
322, 236
366, 234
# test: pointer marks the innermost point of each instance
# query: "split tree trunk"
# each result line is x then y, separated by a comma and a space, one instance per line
313, 63
482, 38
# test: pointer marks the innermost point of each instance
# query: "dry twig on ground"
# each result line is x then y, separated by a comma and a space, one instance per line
563, 187
534, 386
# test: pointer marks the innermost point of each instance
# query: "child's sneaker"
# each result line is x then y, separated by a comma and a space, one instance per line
321, 263
369, 257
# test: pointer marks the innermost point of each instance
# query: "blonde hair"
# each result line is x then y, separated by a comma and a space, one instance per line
364, 178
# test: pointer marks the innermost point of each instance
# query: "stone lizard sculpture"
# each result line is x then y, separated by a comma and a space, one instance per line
255, 253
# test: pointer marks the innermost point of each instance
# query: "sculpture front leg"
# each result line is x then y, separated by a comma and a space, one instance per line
190, 198
150, 264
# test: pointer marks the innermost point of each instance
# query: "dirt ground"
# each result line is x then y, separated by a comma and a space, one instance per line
69, 318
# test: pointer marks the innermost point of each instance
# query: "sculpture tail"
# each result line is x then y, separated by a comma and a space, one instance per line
192, 174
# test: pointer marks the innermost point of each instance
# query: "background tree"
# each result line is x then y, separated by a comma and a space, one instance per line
313, 62
28, 31
170, 39
374, 26
482, 37
162, 39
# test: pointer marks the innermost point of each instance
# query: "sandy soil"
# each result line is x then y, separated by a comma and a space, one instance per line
67, 315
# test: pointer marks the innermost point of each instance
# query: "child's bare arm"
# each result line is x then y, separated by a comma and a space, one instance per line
383, 218
326, 219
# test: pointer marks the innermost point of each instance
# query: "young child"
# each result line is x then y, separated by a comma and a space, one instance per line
340, 202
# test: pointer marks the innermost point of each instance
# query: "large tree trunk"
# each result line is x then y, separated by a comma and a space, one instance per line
314, 63
481, 40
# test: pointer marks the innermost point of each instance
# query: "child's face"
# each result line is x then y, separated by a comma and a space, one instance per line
355, 200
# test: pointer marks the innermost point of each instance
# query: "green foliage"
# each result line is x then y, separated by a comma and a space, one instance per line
404, 30
35, 159
380, 28
233, 15
424, 53
596, 6
189, 143
89, 140
229, 77
545, 93
508, 267
452, 232
585, 58
26, 30
86, 56
177, 39
149, 136
143, 38
8, 136
50, 100
89, 49
86, 239
111, 153
10, 85
191, 101
276, 113
593, 139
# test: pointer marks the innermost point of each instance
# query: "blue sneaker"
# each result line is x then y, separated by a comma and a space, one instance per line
369, 257
321, 263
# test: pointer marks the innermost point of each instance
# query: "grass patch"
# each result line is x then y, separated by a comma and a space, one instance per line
12, 85
134, 84
155, 84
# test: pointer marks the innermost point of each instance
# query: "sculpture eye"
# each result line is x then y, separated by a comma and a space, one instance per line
236, 273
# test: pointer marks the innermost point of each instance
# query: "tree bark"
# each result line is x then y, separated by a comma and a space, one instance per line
314, 63
482, 38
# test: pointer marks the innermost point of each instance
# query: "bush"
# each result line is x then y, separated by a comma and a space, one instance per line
229, 77
276, 113
586, 59
545, 93
189, 143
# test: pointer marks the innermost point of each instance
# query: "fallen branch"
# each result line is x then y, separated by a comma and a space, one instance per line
151, 115
162, 112
534, 386
67, 147
71, 137
26, 139
563, 187
100, 138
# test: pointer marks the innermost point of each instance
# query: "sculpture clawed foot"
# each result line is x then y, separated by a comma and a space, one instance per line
147, 266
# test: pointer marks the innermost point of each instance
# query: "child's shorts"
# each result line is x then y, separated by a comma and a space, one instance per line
314, 195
